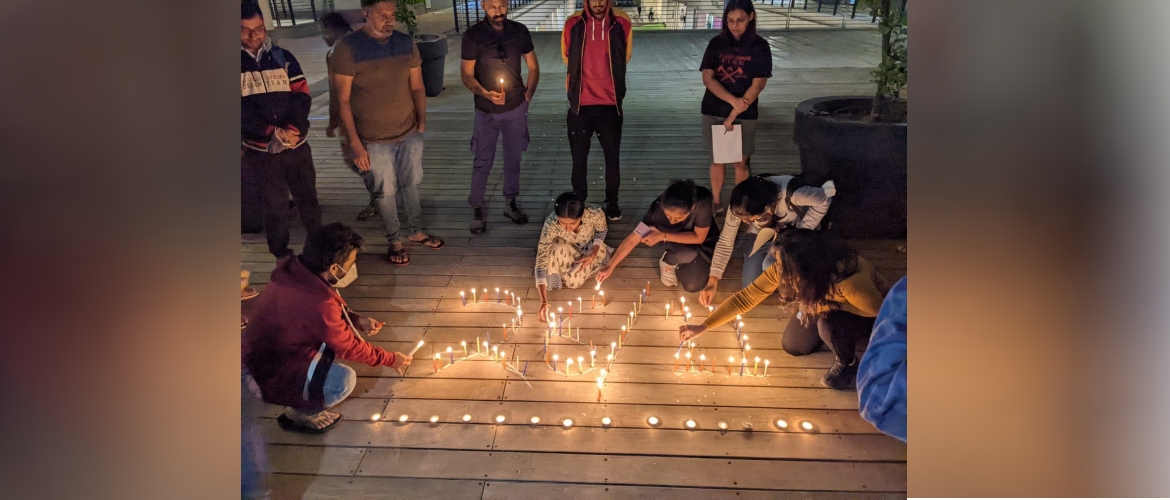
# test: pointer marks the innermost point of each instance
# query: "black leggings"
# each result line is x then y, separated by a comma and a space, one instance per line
847, 334
693, 261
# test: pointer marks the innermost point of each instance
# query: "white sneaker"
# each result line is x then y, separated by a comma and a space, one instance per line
666, 271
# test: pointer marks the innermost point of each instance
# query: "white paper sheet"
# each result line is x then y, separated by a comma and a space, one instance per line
727, 146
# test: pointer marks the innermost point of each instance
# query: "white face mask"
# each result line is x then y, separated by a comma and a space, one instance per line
344, 281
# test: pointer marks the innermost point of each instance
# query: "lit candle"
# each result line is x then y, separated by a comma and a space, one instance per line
647, 288
569, 328
503, 359
464, 344
534, 420
497, 295
667, 311
652, 420
570, 309
730, 362
436, 362
466, 417
568, 366
746, 349
451, 355
434, 419
687, 319
602, 293
555, 358
766, 362
508, 295
376, 416
568, 422
495, 352
473, 299
675, 368
485, 348
598, 286
756, 365
416, 348
742, 364
580, 305
499, 419
489, 336
581, 364
504, 328
691, 424
806, 425
609, 360
592, 355
631, 320
682, 302
463, 297
702, 361
606, 421
477, 345
623, 332
613, 346
404, 418
599, 384
688, 361
501, 85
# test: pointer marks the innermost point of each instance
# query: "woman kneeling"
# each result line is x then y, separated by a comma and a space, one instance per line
572, 247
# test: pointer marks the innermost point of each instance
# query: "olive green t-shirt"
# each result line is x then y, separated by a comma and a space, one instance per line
383, 108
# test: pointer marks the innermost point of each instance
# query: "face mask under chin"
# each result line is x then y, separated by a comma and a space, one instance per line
347, 278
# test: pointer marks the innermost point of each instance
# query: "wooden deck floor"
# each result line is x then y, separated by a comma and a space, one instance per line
841, 457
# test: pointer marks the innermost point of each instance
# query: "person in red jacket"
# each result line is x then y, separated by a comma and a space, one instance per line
596, 46
300, 325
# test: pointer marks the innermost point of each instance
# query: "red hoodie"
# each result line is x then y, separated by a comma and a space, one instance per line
597, 86
295, 315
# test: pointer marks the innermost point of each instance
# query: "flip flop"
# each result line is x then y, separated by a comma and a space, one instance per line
404, 258
427, 242
288, 425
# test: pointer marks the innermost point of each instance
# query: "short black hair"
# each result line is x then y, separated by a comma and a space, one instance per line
329, 244
753, 196
371, 3
335, 22
679, 195
569, 205
250, 9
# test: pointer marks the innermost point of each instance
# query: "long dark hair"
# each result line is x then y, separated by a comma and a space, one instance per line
809, 262
753, 196
748, 9
569, 205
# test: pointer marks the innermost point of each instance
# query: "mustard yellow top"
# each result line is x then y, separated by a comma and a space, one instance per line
860, 294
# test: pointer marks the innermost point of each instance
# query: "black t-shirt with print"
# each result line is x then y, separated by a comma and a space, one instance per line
497, 55
735, 64
703, 215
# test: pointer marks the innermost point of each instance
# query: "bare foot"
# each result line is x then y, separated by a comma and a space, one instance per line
314, 421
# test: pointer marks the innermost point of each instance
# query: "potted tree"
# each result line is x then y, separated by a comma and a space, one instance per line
860, 142
431, 48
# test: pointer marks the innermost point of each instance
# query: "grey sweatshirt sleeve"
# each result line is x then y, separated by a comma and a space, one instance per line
817, 202
725, 245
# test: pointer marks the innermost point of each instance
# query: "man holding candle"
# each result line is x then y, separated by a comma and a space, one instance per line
492, 49
596, 45
300, 325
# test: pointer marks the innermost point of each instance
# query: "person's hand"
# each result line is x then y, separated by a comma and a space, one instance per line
422, 127
690, 332
584, 261
528, 96
739, 105
361, 158
604, 273
654, 237
707, 294
401, 361
496, 98
330, 131
291, 135
729, 124
368, 325
542, 314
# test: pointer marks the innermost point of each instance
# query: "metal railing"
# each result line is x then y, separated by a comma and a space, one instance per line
550, 15
294, 12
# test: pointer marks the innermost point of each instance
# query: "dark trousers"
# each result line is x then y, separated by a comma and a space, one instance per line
277, 175
847, 334
513, 125
606, 122
694, 264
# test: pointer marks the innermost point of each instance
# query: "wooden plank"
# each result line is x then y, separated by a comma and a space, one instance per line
319, 460
501, 490
285, 486
634, 470
703, 395
700, 443
353, 433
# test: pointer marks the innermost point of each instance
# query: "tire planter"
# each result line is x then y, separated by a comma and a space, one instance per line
433, 51
865, 160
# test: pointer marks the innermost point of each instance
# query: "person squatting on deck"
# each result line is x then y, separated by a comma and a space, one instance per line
681, 219
572, 247
378, 76
274, 108
300, 325
771, 204
736, 66
490, 68
837, 294
596, 45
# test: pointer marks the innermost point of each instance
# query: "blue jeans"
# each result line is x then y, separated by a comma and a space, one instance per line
339, 382
367, 177
755, 264
396, 168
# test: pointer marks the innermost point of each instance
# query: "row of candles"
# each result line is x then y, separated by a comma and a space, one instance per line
730, 364
652, 421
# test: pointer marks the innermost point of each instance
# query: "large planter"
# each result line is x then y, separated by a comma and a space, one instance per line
433, 51
865, 160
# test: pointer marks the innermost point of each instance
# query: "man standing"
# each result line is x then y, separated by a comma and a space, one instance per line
334, 27
596, 46
378, 76
300, 325
274, 105
492, 50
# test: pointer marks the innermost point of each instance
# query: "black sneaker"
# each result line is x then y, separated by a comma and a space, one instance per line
478, 221
612, 212
370, 211
513, 212
841, 376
